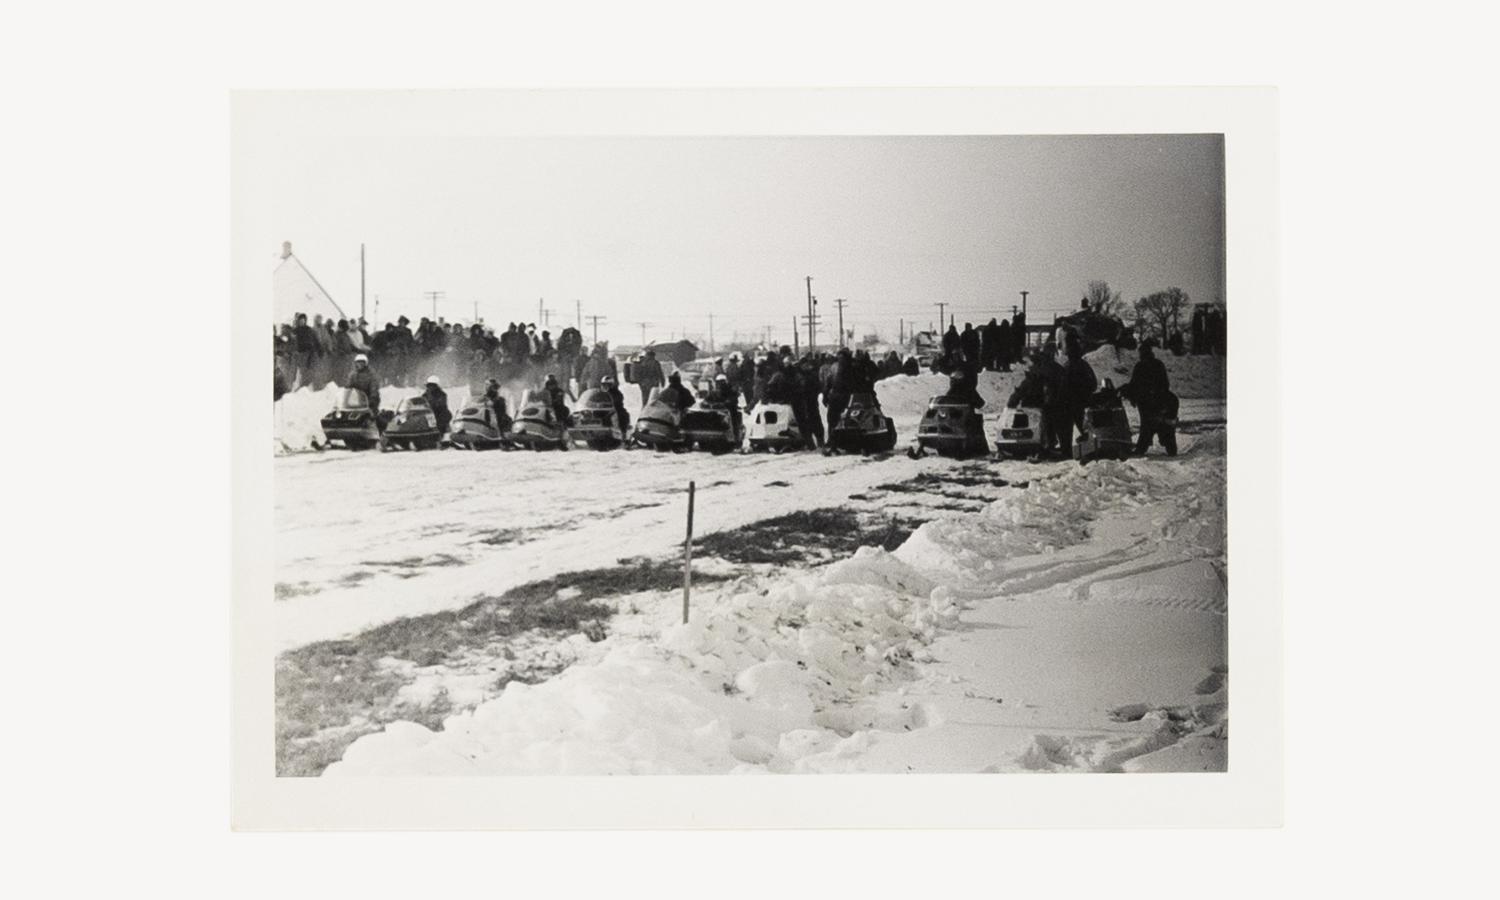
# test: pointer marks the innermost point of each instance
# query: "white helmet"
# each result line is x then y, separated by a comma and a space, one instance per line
433, 380
360, 357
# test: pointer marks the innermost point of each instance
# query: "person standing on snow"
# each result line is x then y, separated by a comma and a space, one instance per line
1081, 385
1056, 414
1148, 389
648, 375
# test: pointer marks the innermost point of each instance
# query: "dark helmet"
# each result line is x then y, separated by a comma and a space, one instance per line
551, 379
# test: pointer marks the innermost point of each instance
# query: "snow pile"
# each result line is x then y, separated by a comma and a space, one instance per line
970, 552
779, 675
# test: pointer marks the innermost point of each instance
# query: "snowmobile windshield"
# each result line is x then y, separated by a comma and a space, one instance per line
595, 397
354, 398
411, 404
534, 396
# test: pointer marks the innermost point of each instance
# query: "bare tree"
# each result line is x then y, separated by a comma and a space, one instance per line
1162, 312
1102, 300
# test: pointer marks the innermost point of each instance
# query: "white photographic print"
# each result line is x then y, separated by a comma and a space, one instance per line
784, 434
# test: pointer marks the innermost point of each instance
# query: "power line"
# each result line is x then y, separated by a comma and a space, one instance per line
595, 320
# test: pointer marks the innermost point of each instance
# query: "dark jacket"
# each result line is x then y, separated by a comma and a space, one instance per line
969, 343
1030, 392
438, 400
781, 388
676, 396
365, 380
961, 391
648, 372
1081, 381
1054, 384
1148, 388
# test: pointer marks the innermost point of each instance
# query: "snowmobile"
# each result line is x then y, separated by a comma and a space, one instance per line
774, 427
595, 422
710, 424
537, 425
863, 428
659, 426
951, 428
1021, 433
352, 422
1108, 434
477, 427
414, 426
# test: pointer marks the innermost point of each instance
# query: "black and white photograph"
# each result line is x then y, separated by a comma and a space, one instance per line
734, 455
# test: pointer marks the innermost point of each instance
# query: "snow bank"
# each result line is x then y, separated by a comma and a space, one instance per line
769, 676
807, 671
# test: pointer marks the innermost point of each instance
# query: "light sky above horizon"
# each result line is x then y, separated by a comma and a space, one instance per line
670, 230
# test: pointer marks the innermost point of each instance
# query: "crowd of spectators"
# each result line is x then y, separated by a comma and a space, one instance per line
322, 352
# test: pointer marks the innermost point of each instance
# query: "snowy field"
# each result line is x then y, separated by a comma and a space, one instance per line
1022, 617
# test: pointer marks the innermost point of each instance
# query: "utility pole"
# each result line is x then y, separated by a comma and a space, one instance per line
796, 342
710, 332
812, 318
644, 326
901, 332
1023, 302
595, 320
578, 310
435, 296
361, 281
841, 302
940, 305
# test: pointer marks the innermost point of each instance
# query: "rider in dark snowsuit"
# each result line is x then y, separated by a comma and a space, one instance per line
437, 400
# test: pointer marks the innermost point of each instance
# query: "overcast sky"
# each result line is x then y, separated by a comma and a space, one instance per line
669, 230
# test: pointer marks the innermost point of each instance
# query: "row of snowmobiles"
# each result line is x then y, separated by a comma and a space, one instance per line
594, 423
949, 427
952, 427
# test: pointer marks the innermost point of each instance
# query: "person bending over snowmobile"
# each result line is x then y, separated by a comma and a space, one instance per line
555, 395
674, 394
362, 379
497, 403
438, 401
1149, 391
1030, 392
610, 386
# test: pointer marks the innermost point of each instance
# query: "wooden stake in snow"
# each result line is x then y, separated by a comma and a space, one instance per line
687, 557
